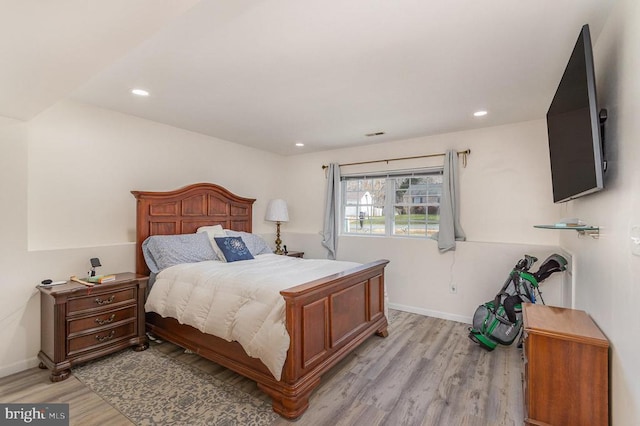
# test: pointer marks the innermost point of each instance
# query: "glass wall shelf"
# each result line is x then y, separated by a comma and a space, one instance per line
592, 231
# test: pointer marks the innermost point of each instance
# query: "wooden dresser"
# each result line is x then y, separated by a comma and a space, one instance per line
566, 368
80, 323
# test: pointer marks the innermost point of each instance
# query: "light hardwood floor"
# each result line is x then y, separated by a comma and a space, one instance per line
427, 372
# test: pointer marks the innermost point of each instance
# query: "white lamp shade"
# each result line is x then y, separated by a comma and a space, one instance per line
277, 211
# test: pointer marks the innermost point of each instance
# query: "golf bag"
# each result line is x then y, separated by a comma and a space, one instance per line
499, 321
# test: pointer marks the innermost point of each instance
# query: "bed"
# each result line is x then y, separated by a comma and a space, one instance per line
326, 318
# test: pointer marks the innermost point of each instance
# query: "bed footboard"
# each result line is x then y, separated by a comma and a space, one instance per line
326, 320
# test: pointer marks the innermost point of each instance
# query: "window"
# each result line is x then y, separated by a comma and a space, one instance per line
392, 205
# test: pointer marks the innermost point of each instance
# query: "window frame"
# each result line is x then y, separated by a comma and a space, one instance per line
390, 204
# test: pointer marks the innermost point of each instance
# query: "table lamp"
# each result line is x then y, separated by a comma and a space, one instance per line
277, 212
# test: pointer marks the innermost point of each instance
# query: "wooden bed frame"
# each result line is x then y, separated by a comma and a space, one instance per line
326, 319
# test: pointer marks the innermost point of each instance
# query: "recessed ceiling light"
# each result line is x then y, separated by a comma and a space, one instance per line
299, 144
140, 92
480, 113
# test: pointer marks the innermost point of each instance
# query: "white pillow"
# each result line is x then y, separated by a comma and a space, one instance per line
212, 232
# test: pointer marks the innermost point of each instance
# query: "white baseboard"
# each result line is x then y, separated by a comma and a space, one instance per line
19, 366
431, 313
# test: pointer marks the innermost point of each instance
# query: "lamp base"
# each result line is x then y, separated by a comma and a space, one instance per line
278, 240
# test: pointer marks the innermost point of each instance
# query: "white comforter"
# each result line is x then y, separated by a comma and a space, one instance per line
238, 301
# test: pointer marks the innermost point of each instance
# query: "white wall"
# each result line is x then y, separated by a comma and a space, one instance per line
505, 190
84, 161
18, 307
65, 182
607, 283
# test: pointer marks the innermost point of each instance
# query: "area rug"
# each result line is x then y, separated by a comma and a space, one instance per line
151, 388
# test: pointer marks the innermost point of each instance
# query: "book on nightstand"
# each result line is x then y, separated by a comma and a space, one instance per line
101, 279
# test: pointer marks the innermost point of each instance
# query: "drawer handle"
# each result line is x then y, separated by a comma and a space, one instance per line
106, 337
105, 301
106, 321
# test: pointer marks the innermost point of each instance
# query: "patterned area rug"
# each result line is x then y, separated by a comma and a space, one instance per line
151, 388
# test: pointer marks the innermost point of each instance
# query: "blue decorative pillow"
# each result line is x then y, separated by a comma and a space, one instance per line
255, 243
162, 251
233, 248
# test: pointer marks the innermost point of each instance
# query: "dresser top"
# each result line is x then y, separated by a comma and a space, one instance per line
570, 324
71, 286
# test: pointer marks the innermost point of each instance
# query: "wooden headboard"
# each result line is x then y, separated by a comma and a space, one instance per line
186, 209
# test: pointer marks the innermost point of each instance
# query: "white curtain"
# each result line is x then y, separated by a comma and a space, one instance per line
331, 212
450, 229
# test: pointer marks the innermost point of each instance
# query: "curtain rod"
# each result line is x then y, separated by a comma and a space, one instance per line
463, 153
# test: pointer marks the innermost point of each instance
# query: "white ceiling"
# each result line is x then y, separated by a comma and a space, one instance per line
269, 73
49, 48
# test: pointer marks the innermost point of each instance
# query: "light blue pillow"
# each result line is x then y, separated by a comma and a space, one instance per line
233, 248
255, 243
162, 251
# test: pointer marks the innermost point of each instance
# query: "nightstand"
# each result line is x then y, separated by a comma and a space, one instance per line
295, 254
81, 323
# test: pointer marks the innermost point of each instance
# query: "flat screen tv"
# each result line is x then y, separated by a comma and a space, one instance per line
574, 128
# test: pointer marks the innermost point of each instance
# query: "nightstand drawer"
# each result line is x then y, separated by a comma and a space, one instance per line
102, 319
101, 300
103, 337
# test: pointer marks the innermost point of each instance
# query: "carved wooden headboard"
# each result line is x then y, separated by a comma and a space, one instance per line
186, 209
